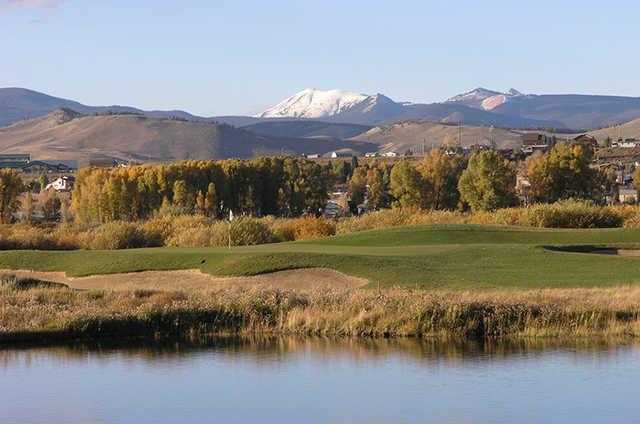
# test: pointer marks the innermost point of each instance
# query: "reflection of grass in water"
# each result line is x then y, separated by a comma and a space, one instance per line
53, 313
260, 348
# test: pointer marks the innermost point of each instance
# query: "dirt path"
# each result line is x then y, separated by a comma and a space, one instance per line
299, 279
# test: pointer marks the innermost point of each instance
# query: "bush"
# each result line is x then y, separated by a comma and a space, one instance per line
113, 235
572, 214
303, 228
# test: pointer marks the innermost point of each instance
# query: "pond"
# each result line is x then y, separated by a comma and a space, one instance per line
321, 380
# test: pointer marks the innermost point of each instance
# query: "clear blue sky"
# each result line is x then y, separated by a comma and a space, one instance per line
233, 57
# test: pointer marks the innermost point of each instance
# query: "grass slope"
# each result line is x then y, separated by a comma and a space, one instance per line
442, 256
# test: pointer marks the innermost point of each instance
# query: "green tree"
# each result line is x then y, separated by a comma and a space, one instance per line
488, 183
406, 184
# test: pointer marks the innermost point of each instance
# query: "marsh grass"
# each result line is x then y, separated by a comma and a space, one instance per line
41, 312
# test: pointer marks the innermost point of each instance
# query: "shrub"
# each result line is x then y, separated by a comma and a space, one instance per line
112, 235
572, 214
303, 228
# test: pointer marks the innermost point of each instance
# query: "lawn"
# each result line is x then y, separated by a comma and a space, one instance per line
429, 256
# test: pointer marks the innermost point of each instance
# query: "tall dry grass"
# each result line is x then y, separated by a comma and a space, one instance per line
31, 312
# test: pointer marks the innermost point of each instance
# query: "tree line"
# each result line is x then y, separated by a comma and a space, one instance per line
265, 186
290, 187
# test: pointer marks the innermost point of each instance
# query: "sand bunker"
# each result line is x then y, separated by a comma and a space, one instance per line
299, 279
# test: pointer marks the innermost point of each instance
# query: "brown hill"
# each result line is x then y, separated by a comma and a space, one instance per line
65, 134
412, 135
629, 129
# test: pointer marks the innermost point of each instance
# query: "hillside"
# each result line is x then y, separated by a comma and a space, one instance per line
65, 134
17, 104
306, 128
411, 135
629, 129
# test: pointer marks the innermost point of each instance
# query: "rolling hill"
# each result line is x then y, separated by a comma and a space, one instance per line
69, 135
412, 135
306, 128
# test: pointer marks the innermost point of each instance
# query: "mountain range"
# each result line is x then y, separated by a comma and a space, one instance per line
312, 122
510, 109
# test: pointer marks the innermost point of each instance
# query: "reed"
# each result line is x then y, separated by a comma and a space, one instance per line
36, 312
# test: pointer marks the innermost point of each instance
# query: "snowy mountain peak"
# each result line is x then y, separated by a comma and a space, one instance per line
312, 103
481, 98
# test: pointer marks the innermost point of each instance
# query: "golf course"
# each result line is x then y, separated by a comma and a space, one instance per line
467, 257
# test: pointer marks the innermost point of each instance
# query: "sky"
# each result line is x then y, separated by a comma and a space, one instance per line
219, 57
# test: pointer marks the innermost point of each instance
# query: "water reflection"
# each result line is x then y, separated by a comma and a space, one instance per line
261, 350
297, 379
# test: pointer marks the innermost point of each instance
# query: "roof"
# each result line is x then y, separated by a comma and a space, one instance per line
628, 191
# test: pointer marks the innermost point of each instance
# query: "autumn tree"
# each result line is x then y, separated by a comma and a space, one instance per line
488, 183
211, 201
28, 207
565, 172
440, 174
406, 184
358, 186
11, 186
51, 205
377, 190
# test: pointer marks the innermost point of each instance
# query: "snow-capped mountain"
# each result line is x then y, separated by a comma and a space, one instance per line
312, 103
484, 99
354, 108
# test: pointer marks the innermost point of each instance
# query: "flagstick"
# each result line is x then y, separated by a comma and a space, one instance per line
230, 219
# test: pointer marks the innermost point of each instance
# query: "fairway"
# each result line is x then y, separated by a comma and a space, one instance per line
427, 256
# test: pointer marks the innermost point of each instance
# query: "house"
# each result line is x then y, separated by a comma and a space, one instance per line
627, 143
628, 195
334, 210
340, 155
312, 156
103, 163
587, 140
40, 166
61, 184
534, 139
371, 155
390, 154
15, 161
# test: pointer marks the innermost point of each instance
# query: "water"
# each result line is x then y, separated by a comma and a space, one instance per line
321, 380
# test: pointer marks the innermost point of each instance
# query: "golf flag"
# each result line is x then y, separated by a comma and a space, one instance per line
230, 215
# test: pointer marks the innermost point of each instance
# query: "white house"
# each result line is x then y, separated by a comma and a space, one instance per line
390, 154
61, 184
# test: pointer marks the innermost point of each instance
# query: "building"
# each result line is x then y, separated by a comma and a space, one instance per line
42, 166
628, 195
587, 140
103, 163
627, 143
61, 184
535, 139
390, 154
371, 154
340, 155
334, 210
15, 161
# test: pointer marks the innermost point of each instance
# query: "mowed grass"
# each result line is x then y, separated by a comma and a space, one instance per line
427, 256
